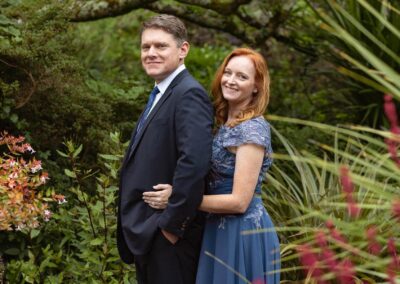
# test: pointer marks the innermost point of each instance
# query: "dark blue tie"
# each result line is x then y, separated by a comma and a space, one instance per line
148, 108
142, 120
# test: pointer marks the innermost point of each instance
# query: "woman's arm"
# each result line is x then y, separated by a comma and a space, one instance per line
249, 158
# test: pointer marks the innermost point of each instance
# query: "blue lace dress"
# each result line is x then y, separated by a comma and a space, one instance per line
239, 248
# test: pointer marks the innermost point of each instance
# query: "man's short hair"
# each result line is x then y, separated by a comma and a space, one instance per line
169, 24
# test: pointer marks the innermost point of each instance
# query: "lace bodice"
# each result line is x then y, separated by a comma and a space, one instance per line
253, 131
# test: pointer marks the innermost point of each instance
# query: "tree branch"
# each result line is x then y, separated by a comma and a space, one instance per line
222, 7
82, 10
210, 19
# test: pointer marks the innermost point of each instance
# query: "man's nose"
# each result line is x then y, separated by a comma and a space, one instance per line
152, 51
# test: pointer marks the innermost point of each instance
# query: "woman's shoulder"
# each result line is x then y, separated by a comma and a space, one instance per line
254, 124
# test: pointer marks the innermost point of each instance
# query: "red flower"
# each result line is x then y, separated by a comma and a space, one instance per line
348, 188
345, 272
390, 110
373, 246
396, 209
321, 238
310, 262
345, 180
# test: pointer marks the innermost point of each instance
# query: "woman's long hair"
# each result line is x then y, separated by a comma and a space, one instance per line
259, 102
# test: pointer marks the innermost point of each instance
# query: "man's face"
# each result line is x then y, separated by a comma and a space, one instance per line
161, 54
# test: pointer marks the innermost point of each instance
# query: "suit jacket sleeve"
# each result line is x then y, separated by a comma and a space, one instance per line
193, 130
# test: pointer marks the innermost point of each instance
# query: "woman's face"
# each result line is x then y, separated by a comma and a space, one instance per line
238, 81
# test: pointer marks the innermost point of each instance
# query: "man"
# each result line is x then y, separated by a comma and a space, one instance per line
171, 144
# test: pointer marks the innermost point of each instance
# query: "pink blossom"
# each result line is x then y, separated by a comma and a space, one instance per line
348, 188
373, 246
36, 166
310, 262
345, 272
396, 209
46, 215
321, 238
345, 180
329, 224
13, 175
391, 114
353, 208
392, 149
44, 177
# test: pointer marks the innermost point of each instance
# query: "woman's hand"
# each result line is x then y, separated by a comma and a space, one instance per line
158, 199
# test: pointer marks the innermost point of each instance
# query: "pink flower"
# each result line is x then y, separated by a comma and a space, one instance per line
345, 180
373, 246
353, 208
310, 262
345, 272
391, 114
329, 224
36, 166
44, 177
59, 198
321, 238
348, 188
46, 215
392, 149
396, 209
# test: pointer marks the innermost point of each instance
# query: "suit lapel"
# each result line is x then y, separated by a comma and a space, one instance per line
154, 111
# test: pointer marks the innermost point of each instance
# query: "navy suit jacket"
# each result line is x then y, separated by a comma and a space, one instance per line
174, 147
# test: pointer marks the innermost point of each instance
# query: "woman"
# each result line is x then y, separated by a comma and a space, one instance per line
240, 244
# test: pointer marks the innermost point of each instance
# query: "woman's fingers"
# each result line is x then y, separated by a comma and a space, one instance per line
158, 199
162, 186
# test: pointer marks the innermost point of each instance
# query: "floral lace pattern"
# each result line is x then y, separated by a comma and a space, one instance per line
253, 131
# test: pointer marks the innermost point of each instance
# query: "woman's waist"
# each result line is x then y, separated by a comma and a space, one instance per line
255, 207
225, 186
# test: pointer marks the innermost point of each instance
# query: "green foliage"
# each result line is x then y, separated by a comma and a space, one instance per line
79, 244
362, 39
301, 200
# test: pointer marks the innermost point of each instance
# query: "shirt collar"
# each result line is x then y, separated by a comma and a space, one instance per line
164, 84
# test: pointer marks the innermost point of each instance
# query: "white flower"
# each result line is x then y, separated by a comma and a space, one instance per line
43, 179
13, 175
30, 149
20, 227
47, 215
62, 200
36, 167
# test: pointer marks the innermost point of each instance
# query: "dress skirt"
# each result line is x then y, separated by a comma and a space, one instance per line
241, 248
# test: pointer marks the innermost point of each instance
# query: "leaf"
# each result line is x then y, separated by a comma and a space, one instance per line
96, 242
62, 154
69, 173
14, 118
34, 233
12, 251
77, 151
109, 157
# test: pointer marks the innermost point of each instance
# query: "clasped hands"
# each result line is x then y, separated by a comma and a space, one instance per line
158, 199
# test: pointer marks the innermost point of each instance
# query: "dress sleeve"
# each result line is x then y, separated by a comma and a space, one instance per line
253, 131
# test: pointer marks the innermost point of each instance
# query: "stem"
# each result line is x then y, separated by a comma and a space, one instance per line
78, 179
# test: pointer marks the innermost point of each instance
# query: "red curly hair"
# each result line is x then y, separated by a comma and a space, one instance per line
260, 100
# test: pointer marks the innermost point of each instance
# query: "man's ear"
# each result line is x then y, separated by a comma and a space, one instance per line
184, 50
